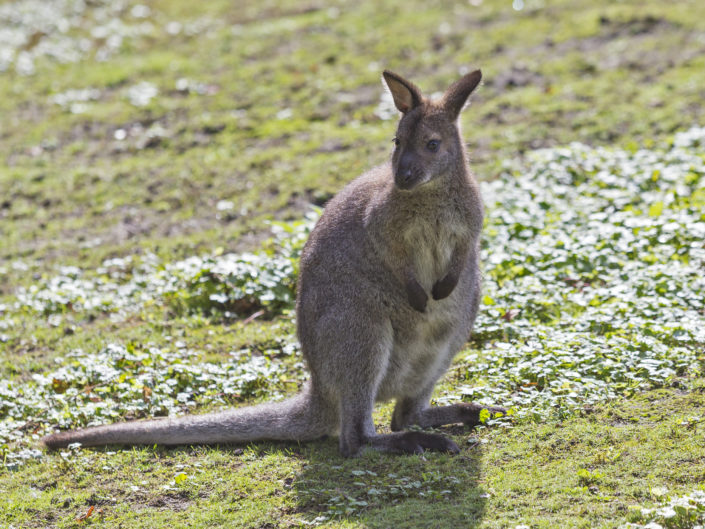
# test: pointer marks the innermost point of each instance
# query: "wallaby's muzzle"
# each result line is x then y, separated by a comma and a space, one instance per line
407, 174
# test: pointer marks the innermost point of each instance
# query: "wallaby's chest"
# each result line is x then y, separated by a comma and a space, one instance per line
431, 243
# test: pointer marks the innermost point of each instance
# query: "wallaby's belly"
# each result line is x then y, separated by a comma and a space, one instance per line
422, 352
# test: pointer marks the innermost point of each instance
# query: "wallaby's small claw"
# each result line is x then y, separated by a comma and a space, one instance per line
418, 299
444, 287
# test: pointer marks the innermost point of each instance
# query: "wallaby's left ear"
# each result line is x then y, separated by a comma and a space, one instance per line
455, 97
405, 93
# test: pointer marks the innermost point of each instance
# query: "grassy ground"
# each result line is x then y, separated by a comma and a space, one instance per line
253, 114
282, 111
582, 472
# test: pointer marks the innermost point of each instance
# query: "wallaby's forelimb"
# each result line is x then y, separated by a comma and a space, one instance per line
445, 286
415, 293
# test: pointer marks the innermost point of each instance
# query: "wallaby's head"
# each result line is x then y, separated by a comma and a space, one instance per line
428, 143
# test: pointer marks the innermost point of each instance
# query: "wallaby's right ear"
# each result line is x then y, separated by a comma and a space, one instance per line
406, 95
455, 97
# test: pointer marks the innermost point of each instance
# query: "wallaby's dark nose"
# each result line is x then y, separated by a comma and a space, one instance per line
404, 178
404, 175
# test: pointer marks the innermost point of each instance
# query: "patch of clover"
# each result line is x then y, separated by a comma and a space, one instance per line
680, 512
88, 389
231, 284
594, 284
65, 31
75, 101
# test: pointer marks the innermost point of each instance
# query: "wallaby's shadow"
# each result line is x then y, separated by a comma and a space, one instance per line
386, 490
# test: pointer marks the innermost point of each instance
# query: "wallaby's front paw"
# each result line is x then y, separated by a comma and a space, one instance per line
443, 287
417, 296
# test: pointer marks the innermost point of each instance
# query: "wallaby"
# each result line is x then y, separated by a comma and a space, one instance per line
388, 291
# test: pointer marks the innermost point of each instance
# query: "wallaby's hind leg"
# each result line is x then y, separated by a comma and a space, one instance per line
358, 431
413, 443
415, 411
356, 425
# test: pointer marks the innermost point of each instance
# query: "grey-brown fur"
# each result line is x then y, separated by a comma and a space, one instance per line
388, 292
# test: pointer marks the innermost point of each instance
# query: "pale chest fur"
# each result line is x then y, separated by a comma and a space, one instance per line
431, 244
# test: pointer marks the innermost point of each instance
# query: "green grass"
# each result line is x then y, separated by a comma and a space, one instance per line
583, 472
273, 106
616, 73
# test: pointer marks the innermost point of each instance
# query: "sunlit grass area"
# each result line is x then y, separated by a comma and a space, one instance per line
163, 163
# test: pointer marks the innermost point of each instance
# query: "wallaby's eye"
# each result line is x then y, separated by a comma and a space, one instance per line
433, 145
396, 141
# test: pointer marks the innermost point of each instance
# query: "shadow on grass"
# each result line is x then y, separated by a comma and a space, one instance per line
386, 490
267, 484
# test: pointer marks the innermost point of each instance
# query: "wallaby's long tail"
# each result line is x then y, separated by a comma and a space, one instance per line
299, 418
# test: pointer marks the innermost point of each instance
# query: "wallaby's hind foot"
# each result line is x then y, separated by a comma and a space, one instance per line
467, 413
400, 443
415, 443
470, 412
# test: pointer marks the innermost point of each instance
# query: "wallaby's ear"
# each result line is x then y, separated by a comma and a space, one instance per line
406, 95
455, 97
